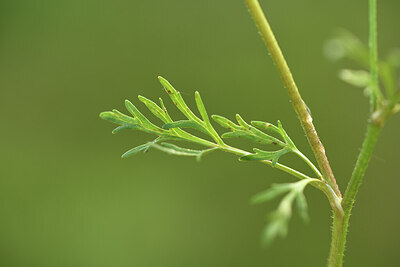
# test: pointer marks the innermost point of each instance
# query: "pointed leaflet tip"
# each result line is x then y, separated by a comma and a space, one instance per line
201, 108
104, 114
167, 86
137, 149
241, 121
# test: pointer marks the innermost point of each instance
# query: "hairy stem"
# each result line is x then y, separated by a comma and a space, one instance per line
379, 116
297, 102
340, 224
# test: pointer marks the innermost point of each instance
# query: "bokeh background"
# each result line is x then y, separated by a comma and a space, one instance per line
68, 199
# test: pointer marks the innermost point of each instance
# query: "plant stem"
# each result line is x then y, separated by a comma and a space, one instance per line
340, 223
297, 101
379, 116
334, 200
376, 95
309, 163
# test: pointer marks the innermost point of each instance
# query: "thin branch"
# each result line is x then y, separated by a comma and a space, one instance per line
297, 101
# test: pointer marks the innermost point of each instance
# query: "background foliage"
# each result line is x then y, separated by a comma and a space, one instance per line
66, 197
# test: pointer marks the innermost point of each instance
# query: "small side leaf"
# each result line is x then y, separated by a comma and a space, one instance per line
271, 193
358, 78
118, 117
201, 108
279, 219
126, 126
135, 150
285, 136
242, 134
142, 119
241, 122
266, 126
224, 122
154, 108
177, 99
302, 206
266, 155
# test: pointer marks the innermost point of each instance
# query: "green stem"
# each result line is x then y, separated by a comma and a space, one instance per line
278, 166
297, 102
379, 117
309, 163
334, 200
341, 223
376, 96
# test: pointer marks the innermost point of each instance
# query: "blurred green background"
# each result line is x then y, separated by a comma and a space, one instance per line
68, 199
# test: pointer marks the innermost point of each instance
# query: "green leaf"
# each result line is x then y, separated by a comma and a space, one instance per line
137, 149
185, 124
358, 78
266, 155
285, 136
118, 118
178, 100
241, 122
302, 206
266, 126
277, 227
142, 119
245, 130
126, 126
224, 122
347, 45
201, 108
279, 219
154, 108
271, 193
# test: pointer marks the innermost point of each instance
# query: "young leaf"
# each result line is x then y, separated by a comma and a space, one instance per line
358, 78
137, 149
266, 126
271, 193
141, 118
154, 108
126, 126
241, 122
277, 227
266, 155
178, 100
278, 220
224, 122
302, 206
201, 108
245, 130
118, 118
285, 136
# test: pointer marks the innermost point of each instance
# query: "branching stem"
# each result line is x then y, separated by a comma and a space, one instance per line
297, 102
334, 200
340, 224
379, 116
